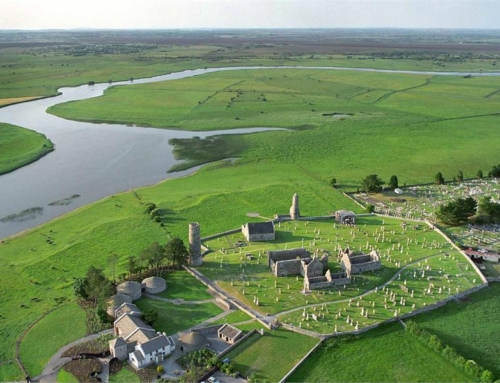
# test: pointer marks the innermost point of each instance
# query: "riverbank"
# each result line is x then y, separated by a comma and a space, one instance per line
20, 147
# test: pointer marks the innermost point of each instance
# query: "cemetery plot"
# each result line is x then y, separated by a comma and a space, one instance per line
410, 252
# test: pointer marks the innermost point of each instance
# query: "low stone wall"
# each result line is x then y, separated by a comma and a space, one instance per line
301, 361
232, 231
493, 279
238, 342
224, 303
302, 331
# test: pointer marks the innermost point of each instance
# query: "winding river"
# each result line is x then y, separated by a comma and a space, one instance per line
92, 161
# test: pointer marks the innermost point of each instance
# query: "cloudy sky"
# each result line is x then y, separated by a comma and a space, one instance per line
47, 14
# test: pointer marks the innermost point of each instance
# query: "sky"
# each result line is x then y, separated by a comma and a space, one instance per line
176, 14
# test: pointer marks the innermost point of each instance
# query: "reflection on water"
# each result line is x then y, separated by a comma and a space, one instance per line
23, 216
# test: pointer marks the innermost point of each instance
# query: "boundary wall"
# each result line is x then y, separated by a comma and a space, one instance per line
238, 342
301, 361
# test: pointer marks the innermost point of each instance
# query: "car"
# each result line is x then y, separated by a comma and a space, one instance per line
213, 380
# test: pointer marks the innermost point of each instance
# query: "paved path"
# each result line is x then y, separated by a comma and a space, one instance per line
49, 373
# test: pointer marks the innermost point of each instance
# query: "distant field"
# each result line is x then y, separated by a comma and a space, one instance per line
385, 354
20, 146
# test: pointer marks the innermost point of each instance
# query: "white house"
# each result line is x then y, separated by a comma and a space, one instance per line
152, 351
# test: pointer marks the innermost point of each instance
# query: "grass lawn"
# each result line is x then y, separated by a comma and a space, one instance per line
174, 318
20, 146
385, 354
64, 376
50, 334
271, 356
124, 376
234, 317
470, 326
182, 285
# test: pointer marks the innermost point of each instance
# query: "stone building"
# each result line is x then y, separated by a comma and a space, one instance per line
154, 285
127, 308
356, 264
195, 258
259, 231
345, 217
116, 301
131, 288
229, 333
294, 209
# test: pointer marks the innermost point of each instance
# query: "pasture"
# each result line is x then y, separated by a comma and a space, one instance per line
394, 356
20, 146
271, 356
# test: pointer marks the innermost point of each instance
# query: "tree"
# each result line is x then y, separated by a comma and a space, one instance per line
333, 182
176, 251
154, 255
458, 211
494, 172
98, 288
460, 176
479, 174
370, 208
132, 265
393, 182
489, 210
372, 183
150, 316
439, 179
80, 287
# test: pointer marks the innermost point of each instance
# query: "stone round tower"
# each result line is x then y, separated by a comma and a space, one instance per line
195, 258
294, 209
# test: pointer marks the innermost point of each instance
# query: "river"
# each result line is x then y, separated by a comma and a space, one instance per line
92, 161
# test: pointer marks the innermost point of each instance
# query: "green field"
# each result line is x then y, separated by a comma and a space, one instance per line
385, 354
20, 146
468, 326
271, 356
321, 144
50, 334
174, 318
181, 285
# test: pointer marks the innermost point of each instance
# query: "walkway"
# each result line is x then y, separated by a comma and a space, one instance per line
49, 373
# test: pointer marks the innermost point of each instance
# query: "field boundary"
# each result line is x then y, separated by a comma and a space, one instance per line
283, 380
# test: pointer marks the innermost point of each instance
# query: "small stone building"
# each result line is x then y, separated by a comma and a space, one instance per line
154, 285
345, 217
259, 231
355, 264
131, 288
127, 308
116, 301
229, 333
118, 348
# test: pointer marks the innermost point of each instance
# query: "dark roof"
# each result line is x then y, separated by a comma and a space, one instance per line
139, 356
155, 344
260, 227
229, 331
117, 342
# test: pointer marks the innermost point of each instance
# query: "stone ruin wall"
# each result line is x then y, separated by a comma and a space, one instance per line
287, 267
260, 237
360, 259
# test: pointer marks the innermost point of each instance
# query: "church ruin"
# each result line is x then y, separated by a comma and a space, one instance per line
300, 262
356, 264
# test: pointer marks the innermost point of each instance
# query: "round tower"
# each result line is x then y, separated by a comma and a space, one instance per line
294, 209
195, 244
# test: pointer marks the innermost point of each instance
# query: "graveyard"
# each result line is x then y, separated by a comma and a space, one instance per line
419, 268
421, 201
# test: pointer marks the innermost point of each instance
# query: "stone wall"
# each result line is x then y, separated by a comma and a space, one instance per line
237, 343
283, 380
260, 237
283, 255
208, 329
288, 267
